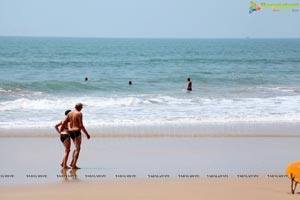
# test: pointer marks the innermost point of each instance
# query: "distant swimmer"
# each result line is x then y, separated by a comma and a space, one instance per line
76, 125
130, 83
86, 78
189, 85
65, 139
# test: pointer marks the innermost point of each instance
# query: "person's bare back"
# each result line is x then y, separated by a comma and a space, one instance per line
75, 118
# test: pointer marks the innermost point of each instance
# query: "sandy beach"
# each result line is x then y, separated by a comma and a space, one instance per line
149, 168
155, 189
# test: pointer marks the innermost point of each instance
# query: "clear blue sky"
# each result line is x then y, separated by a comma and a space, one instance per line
145, 18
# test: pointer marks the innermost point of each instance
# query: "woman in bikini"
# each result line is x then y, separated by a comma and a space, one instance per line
65, 139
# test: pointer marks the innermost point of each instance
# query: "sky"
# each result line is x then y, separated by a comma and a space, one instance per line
146, 19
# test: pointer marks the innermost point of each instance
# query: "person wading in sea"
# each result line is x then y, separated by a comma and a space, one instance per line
189, 85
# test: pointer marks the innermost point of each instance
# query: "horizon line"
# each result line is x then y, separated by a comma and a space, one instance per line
103, 37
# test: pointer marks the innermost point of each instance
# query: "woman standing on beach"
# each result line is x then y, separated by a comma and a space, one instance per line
65, 139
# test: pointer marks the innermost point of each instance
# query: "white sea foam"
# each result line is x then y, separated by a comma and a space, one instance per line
149, 110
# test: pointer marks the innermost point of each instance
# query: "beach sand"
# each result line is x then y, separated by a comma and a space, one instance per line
123, 168
155, 189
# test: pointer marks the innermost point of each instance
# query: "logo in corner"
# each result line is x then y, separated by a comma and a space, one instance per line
253, 7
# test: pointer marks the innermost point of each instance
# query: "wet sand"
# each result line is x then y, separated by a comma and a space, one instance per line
149, 168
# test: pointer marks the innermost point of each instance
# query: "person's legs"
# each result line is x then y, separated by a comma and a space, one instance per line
67, 145
71, 164
72, 135
76, 152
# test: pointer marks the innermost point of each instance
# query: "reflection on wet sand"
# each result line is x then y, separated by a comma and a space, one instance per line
69, 176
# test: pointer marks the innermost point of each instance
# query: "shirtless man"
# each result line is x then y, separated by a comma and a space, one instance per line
76, 125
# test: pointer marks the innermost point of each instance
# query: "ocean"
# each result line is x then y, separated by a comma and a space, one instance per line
240, 86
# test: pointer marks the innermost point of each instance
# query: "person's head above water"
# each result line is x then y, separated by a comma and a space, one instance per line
188, 79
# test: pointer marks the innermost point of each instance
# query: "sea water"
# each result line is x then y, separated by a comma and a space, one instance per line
250, 82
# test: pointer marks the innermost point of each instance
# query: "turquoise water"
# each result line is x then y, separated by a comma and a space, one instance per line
234, 80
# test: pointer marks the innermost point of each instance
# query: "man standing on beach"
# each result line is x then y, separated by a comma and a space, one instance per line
76, 125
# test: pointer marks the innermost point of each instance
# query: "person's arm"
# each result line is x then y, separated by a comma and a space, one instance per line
85, 132
56, 127
83, 128
69, 126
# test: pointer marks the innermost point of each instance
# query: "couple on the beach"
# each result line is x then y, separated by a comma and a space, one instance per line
70, 128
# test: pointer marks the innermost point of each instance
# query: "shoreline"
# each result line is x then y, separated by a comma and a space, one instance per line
217, 129
19, 135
